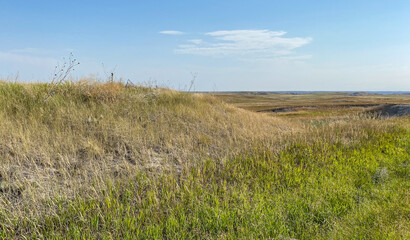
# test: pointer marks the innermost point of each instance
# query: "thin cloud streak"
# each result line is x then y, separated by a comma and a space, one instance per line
171, 32
251, 43
195, 41
12, 57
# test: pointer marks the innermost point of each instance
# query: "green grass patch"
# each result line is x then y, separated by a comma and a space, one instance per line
306, 191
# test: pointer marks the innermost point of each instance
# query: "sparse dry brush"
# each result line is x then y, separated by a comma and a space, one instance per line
71, 166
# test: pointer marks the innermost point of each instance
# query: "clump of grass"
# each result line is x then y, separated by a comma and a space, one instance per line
103, 160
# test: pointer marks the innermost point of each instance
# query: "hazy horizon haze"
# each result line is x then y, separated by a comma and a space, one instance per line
231, 45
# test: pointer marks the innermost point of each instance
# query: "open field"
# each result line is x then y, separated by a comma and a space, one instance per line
299, 105
109, 161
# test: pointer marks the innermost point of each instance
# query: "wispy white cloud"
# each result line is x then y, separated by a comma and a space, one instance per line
195, 41
244, 43
30, 51
33, 56
26, 57
31, 63
41, 51
171, 32
290, 58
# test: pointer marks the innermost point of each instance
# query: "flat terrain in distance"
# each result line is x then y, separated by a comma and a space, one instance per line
310, 104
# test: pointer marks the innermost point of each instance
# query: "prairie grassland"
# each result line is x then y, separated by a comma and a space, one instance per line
102, 160
321, 102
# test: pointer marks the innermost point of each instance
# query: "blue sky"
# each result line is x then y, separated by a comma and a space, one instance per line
231, 45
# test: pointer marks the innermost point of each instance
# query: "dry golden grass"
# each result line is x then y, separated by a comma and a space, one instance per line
88, 136
89, 132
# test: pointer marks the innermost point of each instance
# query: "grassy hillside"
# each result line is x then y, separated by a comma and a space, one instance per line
108, 161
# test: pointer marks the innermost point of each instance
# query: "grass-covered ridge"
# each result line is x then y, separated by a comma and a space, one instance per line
109, 161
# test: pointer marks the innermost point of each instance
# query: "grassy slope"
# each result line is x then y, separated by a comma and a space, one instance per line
103, 160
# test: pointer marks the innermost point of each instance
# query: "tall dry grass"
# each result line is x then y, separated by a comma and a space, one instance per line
89, 136
89, 132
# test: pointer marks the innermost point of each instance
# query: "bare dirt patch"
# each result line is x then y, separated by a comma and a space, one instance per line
323, 106
393, 110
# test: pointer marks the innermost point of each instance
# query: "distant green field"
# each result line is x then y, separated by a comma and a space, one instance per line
106, 161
